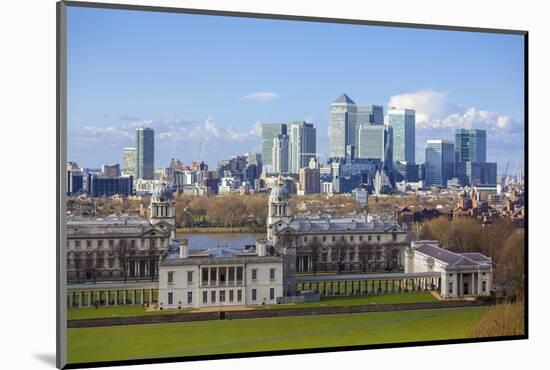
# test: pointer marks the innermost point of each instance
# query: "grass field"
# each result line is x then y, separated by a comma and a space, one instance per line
138, 310
217, 337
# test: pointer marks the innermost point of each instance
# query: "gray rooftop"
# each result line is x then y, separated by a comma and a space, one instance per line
113, 224
358, 224
396, 275
452, 258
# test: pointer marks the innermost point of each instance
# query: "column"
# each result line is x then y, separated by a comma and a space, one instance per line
107, 298
479, 287
90, 298
142, 296
133, 296
150, 295
116, 297
70, 299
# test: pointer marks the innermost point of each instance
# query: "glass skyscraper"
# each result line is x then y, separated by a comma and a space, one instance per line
402, 122
471, 145
301, 145
279, 156
372, 141
439, 166
343, 113
270, 131
145, 153
129, 161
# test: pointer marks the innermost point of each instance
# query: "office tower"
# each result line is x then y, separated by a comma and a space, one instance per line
75, 181
270, 131
402, 122
343, 113
145, 153
129, 161
102, 186
370, 114
471, 145
254, 158
279, 154
440, 162
310, 182
110, 170
372, 140
301, 145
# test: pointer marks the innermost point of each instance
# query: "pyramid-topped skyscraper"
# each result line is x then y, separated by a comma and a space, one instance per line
342, 126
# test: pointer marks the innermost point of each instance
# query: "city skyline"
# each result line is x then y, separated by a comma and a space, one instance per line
115, 92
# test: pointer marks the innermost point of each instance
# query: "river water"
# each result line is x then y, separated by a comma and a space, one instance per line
198, 241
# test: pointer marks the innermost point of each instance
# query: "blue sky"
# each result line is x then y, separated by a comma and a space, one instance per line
206, 79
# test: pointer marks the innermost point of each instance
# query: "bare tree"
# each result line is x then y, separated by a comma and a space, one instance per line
77, 260
313, 247
342, 248
122, 253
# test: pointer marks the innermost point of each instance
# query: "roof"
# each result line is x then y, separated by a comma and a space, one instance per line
79, 226
344, 224
214, 256
397, 275
344, 99
452, 258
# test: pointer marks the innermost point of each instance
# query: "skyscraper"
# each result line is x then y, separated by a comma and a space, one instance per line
440, 162
367, 115
145, 153
471, 145
301, 145
402, 122
129, 161
270, 131
343, 113
372, 141
279, 154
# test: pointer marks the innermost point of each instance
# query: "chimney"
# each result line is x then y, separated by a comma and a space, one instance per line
260, 248
184, 249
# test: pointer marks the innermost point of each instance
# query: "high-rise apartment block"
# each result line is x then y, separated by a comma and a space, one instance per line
270, 131
301, 145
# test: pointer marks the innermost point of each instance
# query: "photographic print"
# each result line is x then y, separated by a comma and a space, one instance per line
241, 185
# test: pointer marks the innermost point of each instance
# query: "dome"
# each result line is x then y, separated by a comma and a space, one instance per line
279, 193
162, 193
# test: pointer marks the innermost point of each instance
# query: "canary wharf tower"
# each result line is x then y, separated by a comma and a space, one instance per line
343, 113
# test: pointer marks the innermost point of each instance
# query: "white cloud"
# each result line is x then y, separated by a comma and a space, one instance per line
261, 96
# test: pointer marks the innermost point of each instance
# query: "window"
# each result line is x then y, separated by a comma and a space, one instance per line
205, 297
170, 277
370, 238
77, 243
482, 274
324, 238
360, 238
88, 243
342, 238
205, 275
231, 295
239, 275
213, 296
111, 243
132, 243
100, 243
305, 239
239, 295
451, 287
253, 294
231, 275
222, 272
213, 273
254, 274
378, 237
189, 297
189, 276
324, 257
222, 295
271, 293
333, 238
272, 274
314, 238
483, 286
170, 298
394, 236
351, 238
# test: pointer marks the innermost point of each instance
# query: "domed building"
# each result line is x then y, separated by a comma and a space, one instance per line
163, 209
278, 207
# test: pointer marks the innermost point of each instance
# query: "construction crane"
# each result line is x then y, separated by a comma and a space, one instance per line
503, 181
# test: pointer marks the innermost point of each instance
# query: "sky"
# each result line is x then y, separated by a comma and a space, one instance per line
205, 84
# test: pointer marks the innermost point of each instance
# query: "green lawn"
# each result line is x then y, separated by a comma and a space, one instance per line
138, 310
362, 300
217, 337
115, 311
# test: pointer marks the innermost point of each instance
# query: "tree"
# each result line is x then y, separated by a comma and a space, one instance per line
122, 253
77, 260
501, 320
342, 248
510, 264
364, 255
464, 235
313, 247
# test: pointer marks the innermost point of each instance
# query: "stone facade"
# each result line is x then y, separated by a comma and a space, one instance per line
462, 274
218, 277
120, 246
343, 245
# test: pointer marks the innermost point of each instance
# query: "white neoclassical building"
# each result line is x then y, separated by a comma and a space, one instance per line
462, 274
218, 277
